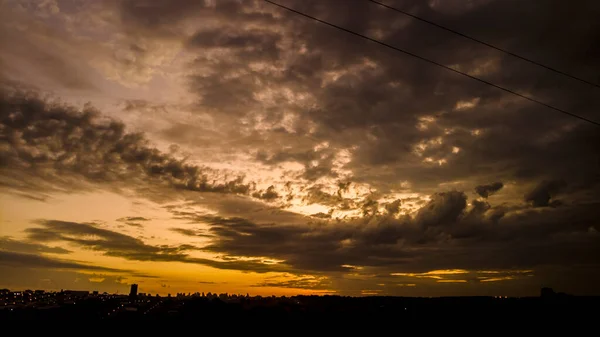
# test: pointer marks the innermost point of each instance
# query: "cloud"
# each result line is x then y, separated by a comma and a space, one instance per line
479, 208
394, 115
315, 195
10, 244
268, 195
52, 146
313, 283
133, 218
158, 16
115, 244
299, 107
440, 236
40, 197
143, 105
38, 261
36, 54
393, 207
466, 276
191, 232
134, 224
540, 196
444, 208
323, 215
286, 84
133, 221
487, 190
245, 43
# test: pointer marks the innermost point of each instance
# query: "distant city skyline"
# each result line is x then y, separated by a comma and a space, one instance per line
40, 306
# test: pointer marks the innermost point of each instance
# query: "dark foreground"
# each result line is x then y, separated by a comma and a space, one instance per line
316, 309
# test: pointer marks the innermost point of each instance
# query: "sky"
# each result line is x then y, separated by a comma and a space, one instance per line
232, 146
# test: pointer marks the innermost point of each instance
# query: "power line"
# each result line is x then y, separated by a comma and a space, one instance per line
531, 99
486, 44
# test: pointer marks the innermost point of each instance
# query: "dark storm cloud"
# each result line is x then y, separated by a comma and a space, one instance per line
300, 246
317, 246
38, 261
444, 234
479, 207
443, 208
115, 244
373, 100
487, 190
540, 196
51, 145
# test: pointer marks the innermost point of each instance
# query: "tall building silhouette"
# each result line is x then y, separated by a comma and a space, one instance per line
547, 292
133, 291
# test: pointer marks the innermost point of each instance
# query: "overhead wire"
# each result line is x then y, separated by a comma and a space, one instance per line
523, 58
526, 97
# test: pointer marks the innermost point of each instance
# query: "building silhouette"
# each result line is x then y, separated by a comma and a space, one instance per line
547, 292
133, 291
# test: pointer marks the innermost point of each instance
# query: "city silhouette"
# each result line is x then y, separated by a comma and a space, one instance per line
71, 305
